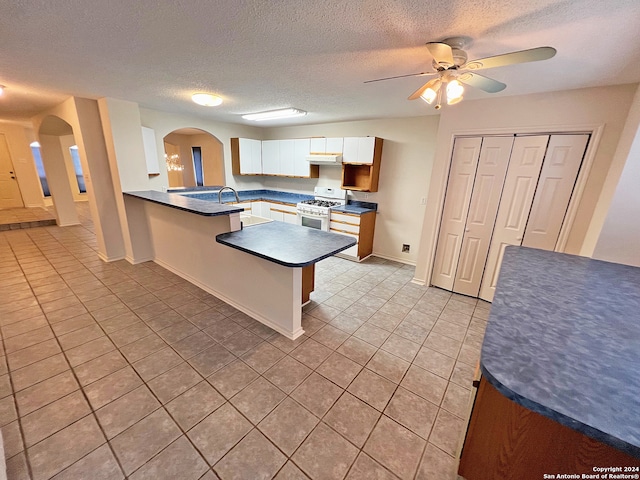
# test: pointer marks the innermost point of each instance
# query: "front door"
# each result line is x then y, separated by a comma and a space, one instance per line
9, 190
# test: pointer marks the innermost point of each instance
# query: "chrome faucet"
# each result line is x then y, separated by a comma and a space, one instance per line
233, 190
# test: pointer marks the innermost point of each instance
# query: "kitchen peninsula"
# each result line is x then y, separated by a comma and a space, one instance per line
560, 390
265, 272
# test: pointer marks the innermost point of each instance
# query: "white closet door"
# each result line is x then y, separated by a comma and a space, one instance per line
557, 179
464, 162
515, 204
487, 189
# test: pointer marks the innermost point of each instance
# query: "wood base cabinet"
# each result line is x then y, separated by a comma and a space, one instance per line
508, 441
361, 227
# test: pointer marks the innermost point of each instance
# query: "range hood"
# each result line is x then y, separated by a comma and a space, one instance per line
324, 159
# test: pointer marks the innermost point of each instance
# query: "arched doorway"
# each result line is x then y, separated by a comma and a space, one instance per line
194, 158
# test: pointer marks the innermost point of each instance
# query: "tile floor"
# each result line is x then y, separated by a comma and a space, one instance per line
114, 371
16, 218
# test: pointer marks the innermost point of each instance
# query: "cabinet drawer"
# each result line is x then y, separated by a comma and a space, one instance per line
345, 218
340, 227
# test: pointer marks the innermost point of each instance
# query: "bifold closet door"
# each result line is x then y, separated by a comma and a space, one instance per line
464, 161
485, 199
557, 179
517, 196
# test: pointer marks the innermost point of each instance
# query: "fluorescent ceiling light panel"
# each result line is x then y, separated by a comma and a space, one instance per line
274, 114
206, 99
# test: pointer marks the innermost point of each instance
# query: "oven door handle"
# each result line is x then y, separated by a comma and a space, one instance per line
314, 215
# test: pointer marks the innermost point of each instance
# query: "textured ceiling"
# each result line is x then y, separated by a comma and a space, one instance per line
313, 55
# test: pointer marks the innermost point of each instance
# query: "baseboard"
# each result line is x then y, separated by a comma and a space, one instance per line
136, 261
243, 309
394, 259
417, 281
68, 224
104, 258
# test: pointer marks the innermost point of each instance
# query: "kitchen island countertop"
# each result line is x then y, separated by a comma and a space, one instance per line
563, 340
181, 202
286, 244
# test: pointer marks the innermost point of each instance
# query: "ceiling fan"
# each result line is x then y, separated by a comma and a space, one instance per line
453, 70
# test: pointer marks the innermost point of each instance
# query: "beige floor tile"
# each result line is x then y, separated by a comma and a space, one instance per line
194, 405
330, 336
347, 323
311, 353
28, 339
73, 324
262, 357
290, 472
257, 400
457, 400
447, 432
384, 321
435, 362
285, 344
352, 418
412, 411
8, 411
287, 374
193, 344
339, 369
367, 468
54, 417
254, 457
401, 347
232, 378
211, 360
436, 465
143, 348
119, 322
17, 468
325, 455
99, 367
36, 372
372, 389
98, 465
219, 432
140, 442
18, 328
130, 334
177, 331
376, 336
117, 416
45, 392
288, 425
65, 313
33, 354
395, 447
389, 366
443, 344
12, 440
47, 458
173, 382
463, 374
241, 342
157, 363
317, 394
81, 336
89, 351
426, 384
178, 460
113, 386
357, 350
222, 329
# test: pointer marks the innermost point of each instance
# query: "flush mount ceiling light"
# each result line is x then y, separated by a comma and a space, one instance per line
275, 114
206, 99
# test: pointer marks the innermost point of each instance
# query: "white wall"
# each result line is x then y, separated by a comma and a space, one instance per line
407, 156
619, 239
554, 111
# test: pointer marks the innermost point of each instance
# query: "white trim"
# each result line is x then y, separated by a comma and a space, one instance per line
292, 336
104, 258
393, 259
136, 261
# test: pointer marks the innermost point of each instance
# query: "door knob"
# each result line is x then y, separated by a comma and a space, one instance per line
519, 239
466, 229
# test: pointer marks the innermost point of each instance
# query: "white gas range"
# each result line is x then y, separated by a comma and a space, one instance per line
315, 213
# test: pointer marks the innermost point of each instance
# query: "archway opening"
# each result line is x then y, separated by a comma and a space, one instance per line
193, 158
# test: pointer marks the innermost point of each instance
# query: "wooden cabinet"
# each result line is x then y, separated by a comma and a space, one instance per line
361, 163
361, 227
246, 156
506, 440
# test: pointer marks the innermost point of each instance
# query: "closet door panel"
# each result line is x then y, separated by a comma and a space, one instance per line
557, 179
515, 204
485, 199
464, 162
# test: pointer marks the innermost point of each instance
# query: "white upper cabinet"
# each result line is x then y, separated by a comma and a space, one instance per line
246, 156
271, 157
287, 163
301, 149
327, 145
358, 150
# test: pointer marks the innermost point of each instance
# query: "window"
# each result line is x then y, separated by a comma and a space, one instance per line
37, 157
196, 152
77, 168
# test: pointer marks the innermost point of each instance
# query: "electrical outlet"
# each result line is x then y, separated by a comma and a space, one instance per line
366, 196
405, 248
423, 201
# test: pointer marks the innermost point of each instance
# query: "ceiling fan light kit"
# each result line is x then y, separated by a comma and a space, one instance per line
452, 68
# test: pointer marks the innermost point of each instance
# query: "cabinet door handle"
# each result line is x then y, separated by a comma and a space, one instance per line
13, 177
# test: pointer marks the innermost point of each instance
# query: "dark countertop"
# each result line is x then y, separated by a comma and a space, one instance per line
181, 202
356, 207
251, 196
286, 244
563, 340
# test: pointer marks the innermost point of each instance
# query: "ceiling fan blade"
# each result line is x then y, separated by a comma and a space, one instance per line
441, 53
523, 56
421, 74
483, 83
421, 90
